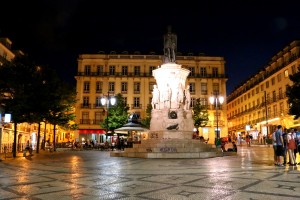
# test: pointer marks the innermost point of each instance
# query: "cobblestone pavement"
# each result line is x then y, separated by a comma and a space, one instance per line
95, 175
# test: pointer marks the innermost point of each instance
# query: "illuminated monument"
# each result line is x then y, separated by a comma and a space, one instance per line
171, 126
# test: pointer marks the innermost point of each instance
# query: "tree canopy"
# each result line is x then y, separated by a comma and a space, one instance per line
200, 114
292, 92
117, 114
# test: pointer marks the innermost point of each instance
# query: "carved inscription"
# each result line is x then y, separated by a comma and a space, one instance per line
168, 149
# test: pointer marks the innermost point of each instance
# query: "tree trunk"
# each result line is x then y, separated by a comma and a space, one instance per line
54, 136
38, 139
15, 141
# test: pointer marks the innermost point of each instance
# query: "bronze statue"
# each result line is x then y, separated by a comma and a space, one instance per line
170, 46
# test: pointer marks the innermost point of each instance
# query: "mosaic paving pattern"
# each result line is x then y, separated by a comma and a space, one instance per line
95, 175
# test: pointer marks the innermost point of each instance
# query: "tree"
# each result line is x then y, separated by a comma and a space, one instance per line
61, 111
118, 114
16, 91
292, 92
146, 121
200, 114
33, 94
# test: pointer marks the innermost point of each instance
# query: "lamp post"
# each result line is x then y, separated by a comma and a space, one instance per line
108, 100
216, 101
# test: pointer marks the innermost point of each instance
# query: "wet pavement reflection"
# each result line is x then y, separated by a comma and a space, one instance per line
93, 174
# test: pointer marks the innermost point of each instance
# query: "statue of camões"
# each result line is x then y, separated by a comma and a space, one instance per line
170, 46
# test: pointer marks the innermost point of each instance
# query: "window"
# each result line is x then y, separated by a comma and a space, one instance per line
192, 88
293, 69
137, 70
192, 71
125, 101
99, 87
274, 96
215, 72
98, 117
111, 86
267, 84
85, 118
269, 111
151, 68
193, 102
286, 73
261, 87
215, 88
136, 102
112, 70
248, 95
99, 70
136, 87
252, 92
278, 77
151, 86
87, 69
124, 87
273, 81
204, 88
203, 101
98, 102
257, 90
124, 70
280, 93
86, 87
203, 72
86, 101
281, 108
275, 110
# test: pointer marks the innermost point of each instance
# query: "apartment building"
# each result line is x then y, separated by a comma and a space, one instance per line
130, 74
259, 104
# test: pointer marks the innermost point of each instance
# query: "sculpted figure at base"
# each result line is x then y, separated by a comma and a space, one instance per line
180, 95
167, 97
155, 97
187, 98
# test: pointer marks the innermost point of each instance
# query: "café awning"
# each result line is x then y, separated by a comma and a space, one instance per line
91, 131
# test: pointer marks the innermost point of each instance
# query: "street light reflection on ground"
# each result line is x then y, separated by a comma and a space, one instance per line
216, 101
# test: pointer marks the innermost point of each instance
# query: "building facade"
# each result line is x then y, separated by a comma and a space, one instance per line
260, 103
103, 74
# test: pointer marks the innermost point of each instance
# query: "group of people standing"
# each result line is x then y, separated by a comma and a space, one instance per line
286, 142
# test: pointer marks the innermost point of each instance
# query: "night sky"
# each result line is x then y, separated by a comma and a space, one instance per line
55, 32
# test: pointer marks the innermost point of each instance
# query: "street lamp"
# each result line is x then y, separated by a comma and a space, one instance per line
108, 100
216, 101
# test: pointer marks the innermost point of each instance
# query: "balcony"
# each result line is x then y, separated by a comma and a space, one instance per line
136, 106
85, 105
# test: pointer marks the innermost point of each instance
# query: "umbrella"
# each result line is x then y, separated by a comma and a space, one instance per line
131, 129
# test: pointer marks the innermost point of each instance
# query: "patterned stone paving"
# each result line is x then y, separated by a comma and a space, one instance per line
95, 175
